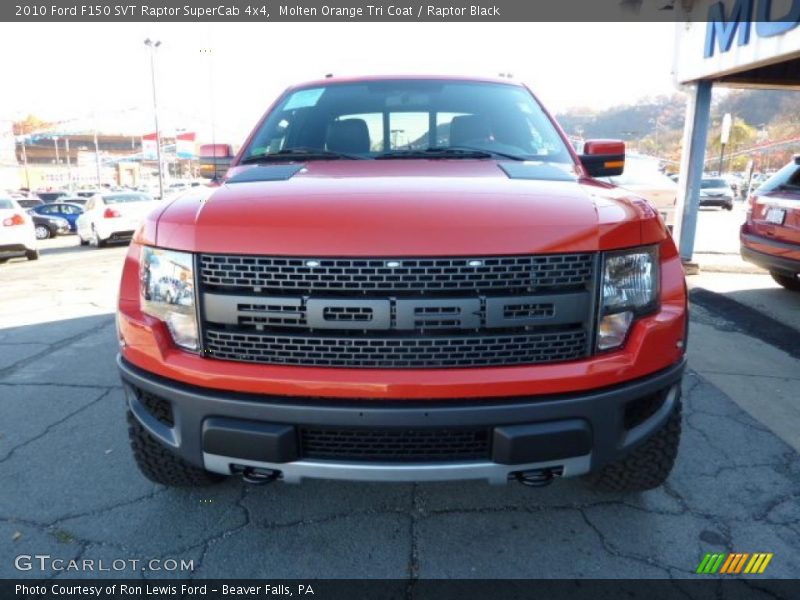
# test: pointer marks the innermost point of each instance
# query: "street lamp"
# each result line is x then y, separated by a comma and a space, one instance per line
724, 137
153, 46
58, 160
25, 162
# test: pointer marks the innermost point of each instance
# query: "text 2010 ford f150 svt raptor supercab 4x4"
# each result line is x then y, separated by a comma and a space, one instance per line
405, 279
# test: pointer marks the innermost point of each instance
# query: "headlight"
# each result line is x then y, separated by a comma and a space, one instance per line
167, 293
630, 288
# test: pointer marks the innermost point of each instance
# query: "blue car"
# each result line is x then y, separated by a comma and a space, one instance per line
65, 210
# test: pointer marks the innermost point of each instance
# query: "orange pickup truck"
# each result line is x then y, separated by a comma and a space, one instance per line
405, 279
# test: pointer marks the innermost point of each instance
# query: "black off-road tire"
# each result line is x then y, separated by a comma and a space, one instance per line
790, 282
32, 254
648, 466
161, 465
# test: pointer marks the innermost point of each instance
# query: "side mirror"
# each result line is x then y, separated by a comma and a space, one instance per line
214, 160
603, 158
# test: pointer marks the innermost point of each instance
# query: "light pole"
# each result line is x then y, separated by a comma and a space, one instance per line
153, 45
724, 137
58, 160
69, 164
96, 149
25, 163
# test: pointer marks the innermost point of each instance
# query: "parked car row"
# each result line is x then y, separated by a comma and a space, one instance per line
105, 218
643, 177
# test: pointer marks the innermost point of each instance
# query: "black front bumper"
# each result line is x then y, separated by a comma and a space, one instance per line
588, 429
716, 201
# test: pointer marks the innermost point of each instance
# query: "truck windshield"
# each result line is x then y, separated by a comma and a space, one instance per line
408, 119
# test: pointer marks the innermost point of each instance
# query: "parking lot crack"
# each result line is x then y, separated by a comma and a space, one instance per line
206, 545
53, 425
58, 345
105, 509
676, 495
413, 558
688, 421
51, 529
613, 551
771, 506
694, 382
327, 519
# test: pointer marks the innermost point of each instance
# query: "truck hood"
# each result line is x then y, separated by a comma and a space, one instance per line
404, 208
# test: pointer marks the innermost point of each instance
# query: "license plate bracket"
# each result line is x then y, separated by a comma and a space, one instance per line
776, 216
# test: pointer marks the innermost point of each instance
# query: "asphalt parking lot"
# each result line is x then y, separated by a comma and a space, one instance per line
70, 488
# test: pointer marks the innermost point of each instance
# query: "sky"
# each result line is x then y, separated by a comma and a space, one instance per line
86, 73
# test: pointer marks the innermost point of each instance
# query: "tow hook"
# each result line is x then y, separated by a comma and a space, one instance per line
537, 477
256, 475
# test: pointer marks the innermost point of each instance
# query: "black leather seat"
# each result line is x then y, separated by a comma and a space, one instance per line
350, 135
467, 129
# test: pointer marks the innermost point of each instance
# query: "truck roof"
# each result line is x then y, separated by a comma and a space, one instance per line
332, 80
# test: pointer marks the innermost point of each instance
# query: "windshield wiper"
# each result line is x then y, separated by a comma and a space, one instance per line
289, 154
448, 152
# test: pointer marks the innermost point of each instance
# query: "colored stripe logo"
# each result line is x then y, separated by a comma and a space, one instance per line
734, 563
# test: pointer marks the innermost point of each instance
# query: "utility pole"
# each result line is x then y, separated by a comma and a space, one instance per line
25, 163
724, 136
96, 152
211, 105
153, 45
58, 160
69, 164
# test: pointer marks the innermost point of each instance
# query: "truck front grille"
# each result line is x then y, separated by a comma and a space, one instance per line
503, 274
397, 352
395, 445
397, 313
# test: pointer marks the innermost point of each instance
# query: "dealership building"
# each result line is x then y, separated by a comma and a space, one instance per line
731, 43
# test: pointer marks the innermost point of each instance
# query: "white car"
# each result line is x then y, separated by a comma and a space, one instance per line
716, 191
112, 217
17, 235
643, 177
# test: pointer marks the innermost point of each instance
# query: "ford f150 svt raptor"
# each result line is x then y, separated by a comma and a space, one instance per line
405, 279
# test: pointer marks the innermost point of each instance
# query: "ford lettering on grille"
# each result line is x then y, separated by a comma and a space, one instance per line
398, 312
404, 314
